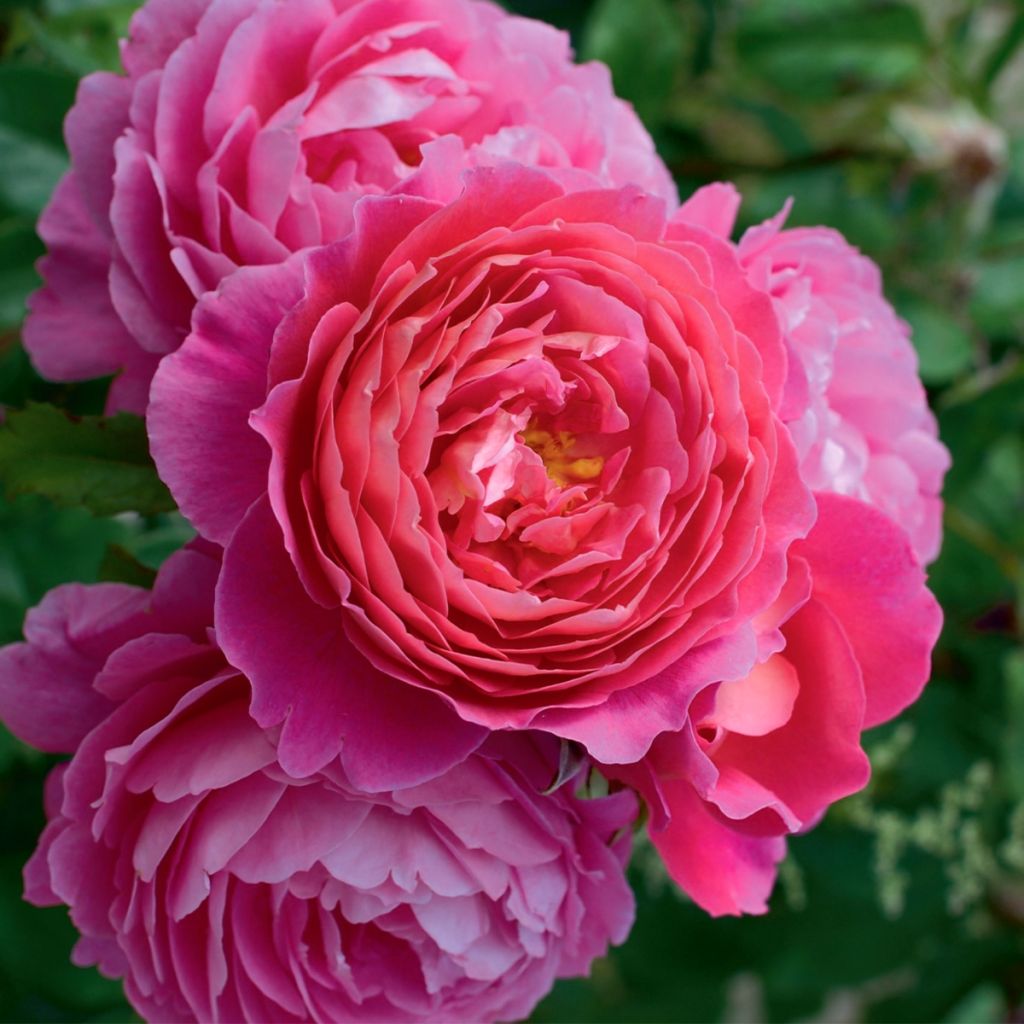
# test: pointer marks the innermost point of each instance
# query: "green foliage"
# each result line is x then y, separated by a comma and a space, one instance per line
119, 565
36, 973
819, 52
899, 123
943, 345
99, 463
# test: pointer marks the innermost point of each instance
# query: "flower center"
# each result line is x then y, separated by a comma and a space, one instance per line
555, 452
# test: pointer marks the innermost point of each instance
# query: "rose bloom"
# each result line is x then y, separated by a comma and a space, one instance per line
245, 130
515, 446
764, 756
854, 401
531, 451
222, 889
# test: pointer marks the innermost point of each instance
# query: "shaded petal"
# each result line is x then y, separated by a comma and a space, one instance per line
721, 869
389, 734
620, 730
46, 684
214, 463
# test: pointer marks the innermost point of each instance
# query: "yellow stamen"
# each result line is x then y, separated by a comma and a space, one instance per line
554, 451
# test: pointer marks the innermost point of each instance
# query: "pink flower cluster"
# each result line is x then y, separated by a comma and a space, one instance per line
510, 472
224, 889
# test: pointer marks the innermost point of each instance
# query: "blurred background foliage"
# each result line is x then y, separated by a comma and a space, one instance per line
902, 125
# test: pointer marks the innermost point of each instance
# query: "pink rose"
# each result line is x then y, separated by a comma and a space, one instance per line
764, 756
855, 404
246, 130
849, 644
221, 888
519, 451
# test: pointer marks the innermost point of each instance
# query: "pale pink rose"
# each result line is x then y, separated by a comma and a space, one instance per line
222, 889
245, 130
519, 450
854, 404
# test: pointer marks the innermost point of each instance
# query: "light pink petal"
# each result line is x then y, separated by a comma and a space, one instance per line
760, 702
214, 750
307, 824
713, 208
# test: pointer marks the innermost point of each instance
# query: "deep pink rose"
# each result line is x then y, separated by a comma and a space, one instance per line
763, 757
519, 450
848, 646
854, 404
245, 130
222, 889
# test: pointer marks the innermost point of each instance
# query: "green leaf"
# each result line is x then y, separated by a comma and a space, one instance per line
119, 565
826, 194
12, 749
77, 36
997, 303
972, 423
98, 463
1013, 739
943, 347
642, 42
19, 248
36, 968
1003, 51
817, 51
35, 99
152, 541
29, 171
985, 1004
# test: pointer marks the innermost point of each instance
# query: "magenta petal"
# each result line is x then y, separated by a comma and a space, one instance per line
38, 887
629, 209
146, 288
523, 189
183, 592
72, 331
157, 30
865, 573
306, 673
46, 693
380, 225
722, 870
99, 116
307, 824
147, 659
815, 758
620, 730
205, 450
213, 751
